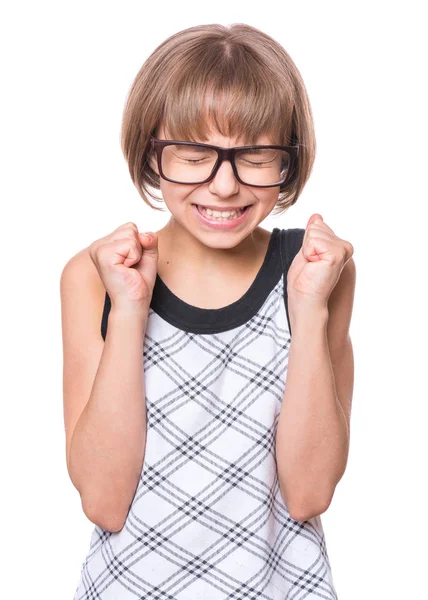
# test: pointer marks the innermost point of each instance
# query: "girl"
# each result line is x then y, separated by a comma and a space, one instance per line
204, 443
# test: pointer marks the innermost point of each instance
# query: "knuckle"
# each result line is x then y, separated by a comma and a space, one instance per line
131, 224
127, 225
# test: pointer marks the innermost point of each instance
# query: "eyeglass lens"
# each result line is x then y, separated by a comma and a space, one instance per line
194, 164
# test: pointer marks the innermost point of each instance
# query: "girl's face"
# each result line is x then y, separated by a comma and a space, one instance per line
224, 192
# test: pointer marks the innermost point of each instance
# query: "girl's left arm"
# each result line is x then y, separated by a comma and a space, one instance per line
313, 434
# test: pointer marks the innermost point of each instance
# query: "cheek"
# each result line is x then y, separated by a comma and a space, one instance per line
176, 196
268, 199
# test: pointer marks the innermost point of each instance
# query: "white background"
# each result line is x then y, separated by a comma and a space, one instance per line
66, 70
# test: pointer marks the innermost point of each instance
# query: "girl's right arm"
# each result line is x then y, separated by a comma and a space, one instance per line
104, 396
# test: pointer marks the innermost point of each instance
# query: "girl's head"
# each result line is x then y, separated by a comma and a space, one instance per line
226, 86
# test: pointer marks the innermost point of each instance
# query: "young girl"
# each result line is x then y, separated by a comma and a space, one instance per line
208, 367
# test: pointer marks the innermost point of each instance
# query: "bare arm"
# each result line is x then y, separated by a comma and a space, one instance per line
106, 430
313, 433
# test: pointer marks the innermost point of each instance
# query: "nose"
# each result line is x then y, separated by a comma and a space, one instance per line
224, 182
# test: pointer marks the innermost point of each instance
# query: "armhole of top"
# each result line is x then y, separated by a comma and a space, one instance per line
104, 320
291, 242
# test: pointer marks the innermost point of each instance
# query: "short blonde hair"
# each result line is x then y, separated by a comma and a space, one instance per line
233, 78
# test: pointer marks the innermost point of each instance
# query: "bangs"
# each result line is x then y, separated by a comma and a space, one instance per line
237, 97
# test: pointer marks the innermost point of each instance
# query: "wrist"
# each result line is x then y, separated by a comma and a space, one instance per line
308, 315
134, 313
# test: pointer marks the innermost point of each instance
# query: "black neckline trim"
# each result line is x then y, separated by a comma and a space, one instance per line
214, 320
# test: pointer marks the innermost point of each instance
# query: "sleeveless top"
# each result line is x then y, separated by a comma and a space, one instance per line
208, 520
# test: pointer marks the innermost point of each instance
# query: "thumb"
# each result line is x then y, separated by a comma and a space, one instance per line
149, 242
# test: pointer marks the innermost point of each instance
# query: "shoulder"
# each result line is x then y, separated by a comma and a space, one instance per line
81, 285
80, 268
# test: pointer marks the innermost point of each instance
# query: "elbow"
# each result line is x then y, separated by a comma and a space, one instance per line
303, 511
108, 520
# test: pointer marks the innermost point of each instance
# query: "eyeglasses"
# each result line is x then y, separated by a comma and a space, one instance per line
194, 163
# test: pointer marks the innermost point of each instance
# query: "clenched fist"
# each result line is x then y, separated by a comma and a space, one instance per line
127, 261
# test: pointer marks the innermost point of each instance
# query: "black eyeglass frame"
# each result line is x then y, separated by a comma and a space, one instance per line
223, 154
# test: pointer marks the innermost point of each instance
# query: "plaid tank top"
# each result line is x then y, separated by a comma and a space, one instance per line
207, 520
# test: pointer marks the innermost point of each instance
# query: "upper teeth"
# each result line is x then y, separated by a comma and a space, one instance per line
225, 214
